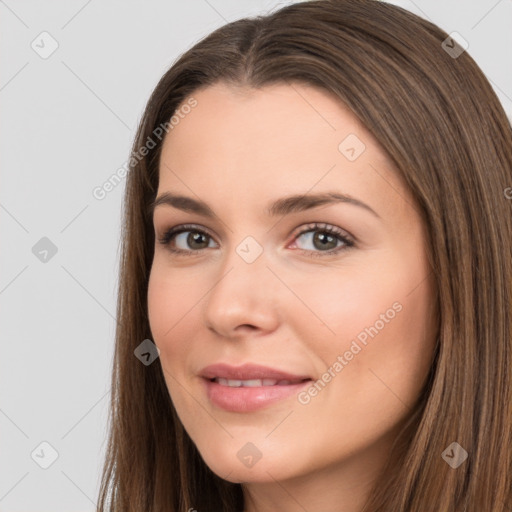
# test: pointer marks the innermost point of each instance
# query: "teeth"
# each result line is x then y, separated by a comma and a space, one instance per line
251, 383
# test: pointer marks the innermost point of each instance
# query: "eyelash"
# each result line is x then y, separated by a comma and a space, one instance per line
315, 226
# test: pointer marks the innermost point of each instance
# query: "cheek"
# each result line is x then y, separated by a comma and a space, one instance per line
379, 322
340, 305
171, 303
172, 295
382, 331
172, 298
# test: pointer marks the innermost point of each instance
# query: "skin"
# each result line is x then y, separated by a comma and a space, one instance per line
237, 150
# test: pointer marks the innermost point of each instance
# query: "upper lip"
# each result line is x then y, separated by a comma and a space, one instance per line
248, 371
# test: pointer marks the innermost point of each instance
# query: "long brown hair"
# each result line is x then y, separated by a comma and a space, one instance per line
440, 121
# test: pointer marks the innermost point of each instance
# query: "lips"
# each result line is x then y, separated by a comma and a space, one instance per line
250, 387
250, 373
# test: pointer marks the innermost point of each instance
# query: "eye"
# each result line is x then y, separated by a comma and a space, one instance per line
323, 239
189, 236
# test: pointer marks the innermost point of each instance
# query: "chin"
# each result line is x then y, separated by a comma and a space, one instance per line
243, 462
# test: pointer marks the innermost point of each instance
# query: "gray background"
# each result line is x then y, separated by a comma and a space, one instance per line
67, 125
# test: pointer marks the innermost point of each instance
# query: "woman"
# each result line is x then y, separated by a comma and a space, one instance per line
341, 337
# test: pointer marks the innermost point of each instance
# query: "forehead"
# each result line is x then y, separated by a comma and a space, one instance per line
283, 137
285, 116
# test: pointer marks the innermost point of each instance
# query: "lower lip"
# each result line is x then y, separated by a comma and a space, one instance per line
245, 399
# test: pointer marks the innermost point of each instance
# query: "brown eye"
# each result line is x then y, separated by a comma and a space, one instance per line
186, 239
324, 239
194, 239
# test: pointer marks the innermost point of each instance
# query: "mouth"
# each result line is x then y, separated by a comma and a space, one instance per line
248, 373
255, 383
250, 387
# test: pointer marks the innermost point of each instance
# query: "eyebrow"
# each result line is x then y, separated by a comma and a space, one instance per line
282, 206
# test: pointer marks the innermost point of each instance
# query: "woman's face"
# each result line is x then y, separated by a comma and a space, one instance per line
263, 283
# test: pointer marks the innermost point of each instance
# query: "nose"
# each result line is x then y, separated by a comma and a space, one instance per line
245, 298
